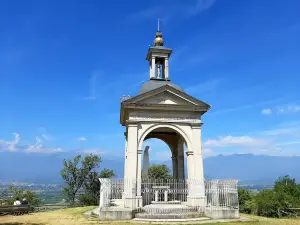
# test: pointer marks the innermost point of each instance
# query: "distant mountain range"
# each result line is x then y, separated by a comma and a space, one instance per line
248, 168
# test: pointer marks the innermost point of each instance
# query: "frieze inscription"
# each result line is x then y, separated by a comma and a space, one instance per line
165, 117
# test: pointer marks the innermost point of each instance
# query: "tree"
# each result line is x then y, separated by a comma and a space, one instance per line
159, 171
287, 193
92, 187
76, 172
107, 173
288, 186
276, 202
3, 196
267, 203
246, 201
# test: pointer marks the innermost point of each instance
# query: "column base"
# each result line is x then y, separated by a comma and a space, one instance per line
139, 201
129, 203
133, 202
196, 201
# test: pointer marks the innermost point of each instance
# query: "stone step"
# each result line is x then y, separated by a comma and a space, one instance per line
172, 216
168, 209
168, 202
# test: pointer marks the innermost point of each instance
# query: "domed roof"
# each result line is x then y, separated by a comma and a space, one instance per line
153, 84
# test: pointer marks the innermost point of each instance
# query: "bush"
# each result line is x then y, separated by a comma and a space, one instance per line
277, 202
21, 193
246, 201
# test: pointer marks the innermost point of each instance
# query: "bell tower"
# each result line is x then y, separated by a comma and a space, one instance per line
158, 58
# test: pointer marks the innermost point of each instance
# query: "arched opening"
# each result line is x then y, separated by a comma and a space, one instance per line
167, 146
163, 128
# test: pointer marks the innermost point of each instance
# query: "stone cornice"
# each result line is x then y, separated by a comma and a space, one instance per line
167, 107
197, 124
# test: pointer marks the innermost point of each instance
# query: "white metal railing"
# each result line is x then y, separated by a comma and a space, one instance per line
222, 194
219, 195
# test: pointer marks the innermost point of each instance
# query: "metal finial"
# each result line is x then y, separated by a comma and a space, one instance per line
158, 40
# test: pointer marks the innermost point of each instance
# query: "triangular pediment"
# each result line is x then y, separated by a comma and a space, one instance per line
165, 98
166, 95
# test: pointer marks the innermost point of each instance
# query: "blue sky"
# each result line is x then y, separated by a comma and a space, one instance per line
65, 64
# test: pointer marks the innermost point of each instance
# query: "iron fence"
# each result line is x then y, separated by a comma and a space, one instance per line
169, 196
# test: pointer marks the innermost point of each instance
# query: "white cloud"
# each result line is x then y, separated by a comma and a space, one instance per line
289, 109
266, 111
171, 11
15, 145
282, 140
81, 139
42, 132
10, 145
239, 141
281, 131
97, 151
243, 107
201, 6
38, 147
208, 152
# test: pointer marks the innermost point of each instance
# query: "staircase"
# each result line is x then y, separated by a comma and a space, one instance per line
168, 211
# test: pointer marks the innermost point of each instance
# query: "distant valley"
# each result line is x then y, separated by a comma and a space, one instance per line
248, 169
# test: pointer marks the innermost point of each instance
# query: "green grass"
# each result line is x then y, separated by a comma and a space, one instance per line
74, 216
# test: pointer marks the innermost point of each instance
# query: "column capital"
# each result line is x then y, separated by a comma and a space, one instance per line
139, 151
132, 123
189, 153
196, 125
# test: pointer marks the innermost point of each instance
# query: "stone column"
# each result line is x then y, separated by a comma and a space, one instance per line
180, 158
139, 202
153, 68
150, 66
190, 180
131, 166
175, 166
166, 68
215, 192
145, 163
190, 164
105, 192
125, 164
125, 159
198, 191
